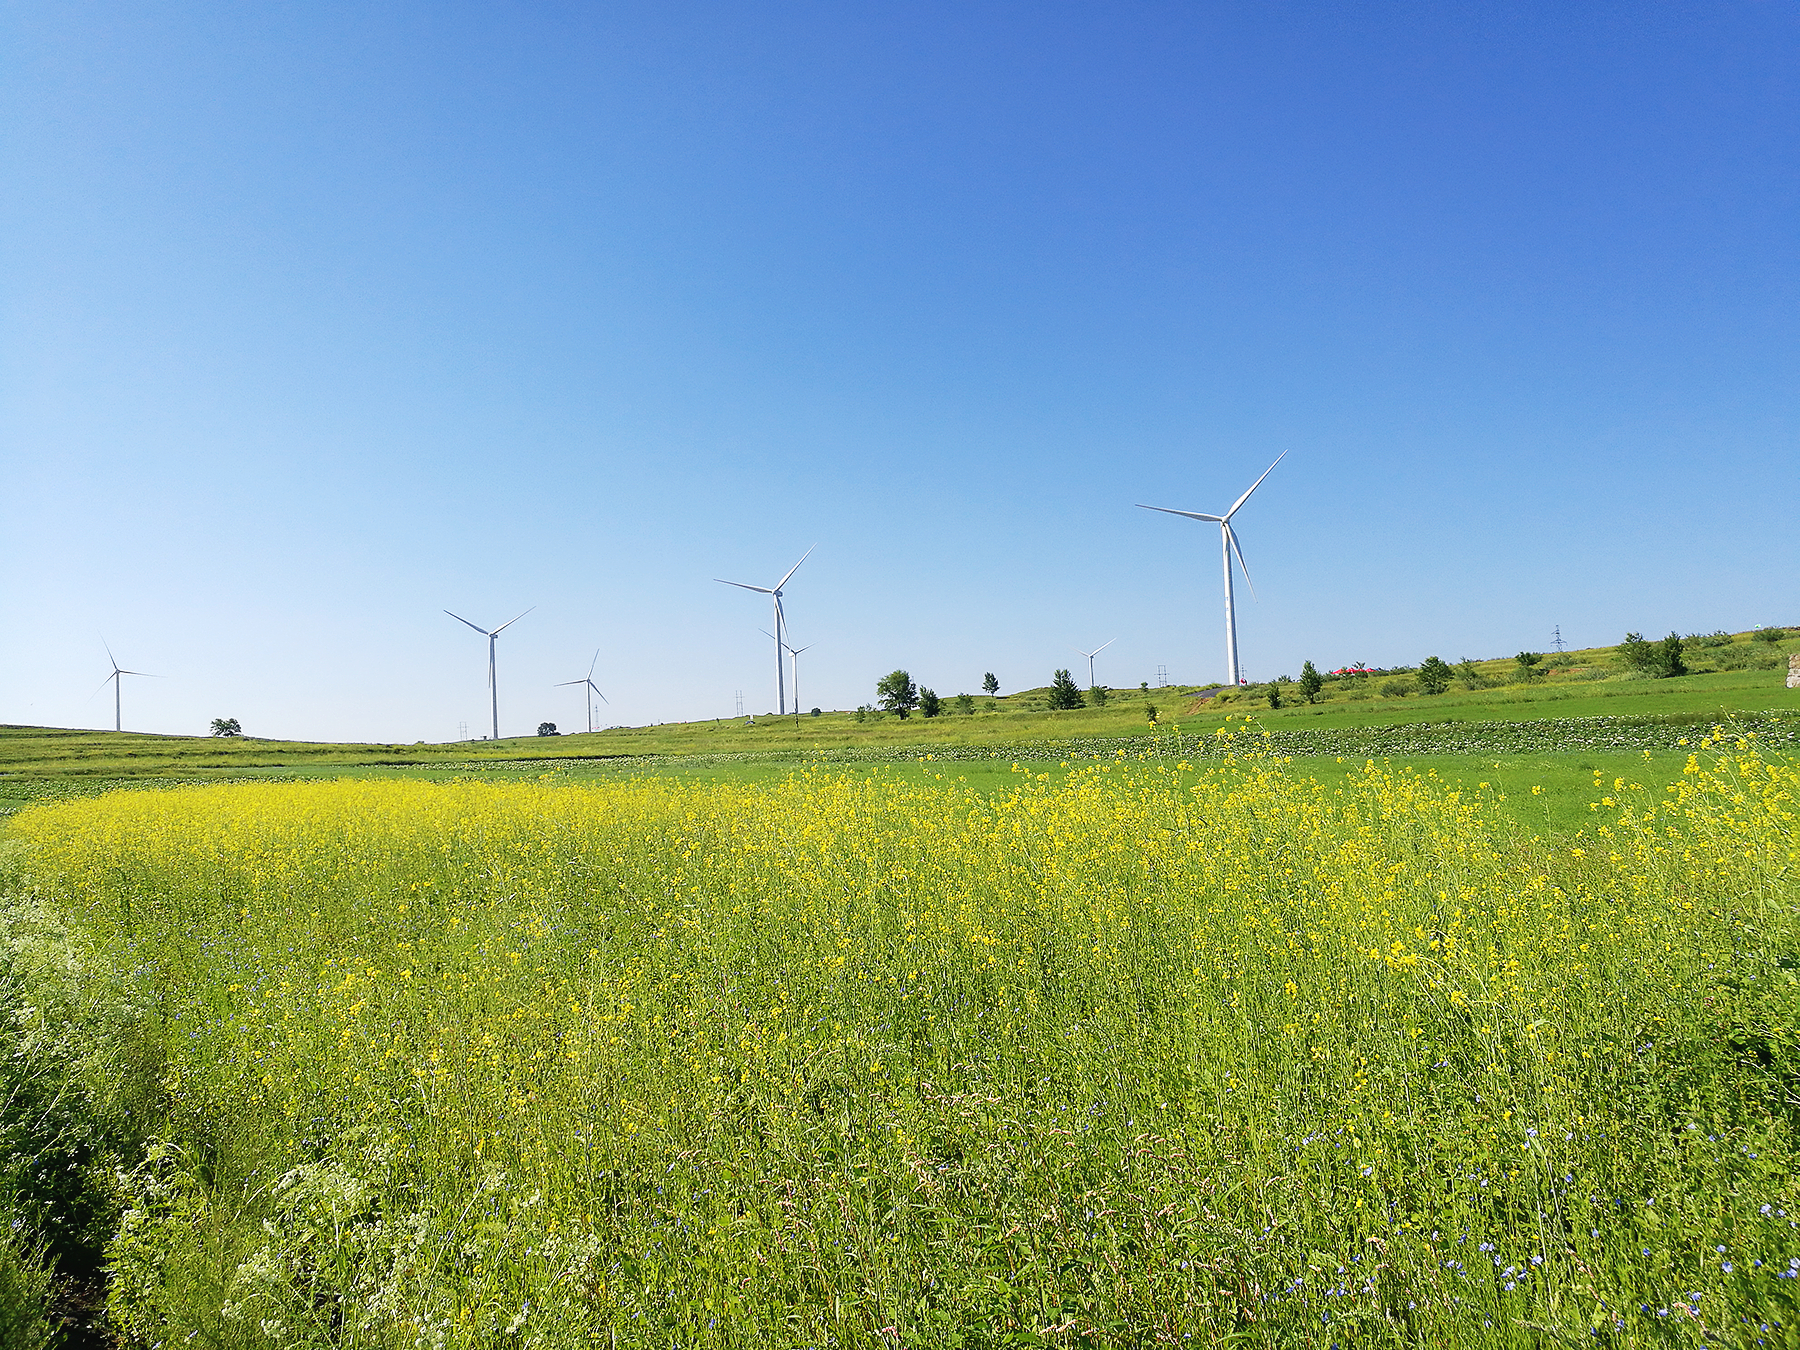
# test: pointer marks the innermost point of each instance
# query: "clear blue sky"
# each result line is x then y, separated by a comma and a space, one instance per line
318, 319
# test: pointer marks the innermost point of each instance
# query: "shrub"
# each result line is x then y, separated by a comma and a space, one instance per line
815, 713
1469, 677
1150, 713
1396, 688
1096, 696
1434, 675
1658, 660
1273, 694
548, 729
965, 704
1769, 635
1063, 693
1525, 667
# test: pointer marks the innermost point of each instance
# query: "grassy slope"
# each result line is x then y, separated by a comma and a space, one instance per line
35, 760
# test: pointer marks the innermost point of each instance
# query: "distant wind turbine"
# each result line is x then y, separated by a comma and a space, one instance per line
592, 688
1091, 655
794, 660
116, 679
780, 624
1228, 542
493, 637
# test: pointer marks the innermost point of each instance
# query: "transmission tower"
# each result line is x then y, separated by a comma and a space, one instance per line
1556, 636
1162, 677
740, 703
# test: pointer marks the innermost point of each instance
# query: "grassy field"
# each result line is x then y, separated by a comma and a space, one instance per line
1571, 691
1467, 1019
1118, 1055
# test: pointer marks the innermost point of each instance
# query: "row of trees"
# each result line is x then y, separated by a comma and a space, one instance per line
898, 693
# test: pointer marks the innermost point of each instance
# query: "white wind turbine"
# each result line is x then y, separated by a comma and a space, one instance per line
593, 688
1091, 655
780, 624
116, 679
794, 661
1229, 544
493, 637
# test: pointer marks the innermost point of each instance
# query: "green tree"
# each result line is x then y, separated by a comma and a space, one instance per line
1273, 693
226, 726
1311, 682
1063, 692
1525, 667
1096, 696
896, 692
989, 684
548, 729
1434, 675
1469, 677
965, 704
930, 705
1150, 713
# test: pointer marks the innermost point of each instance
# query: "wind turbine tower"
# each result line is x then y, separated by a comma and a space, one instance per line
780, 633
117, 678
1091, 655
592, 688
794, 661
1229, 544
493, 638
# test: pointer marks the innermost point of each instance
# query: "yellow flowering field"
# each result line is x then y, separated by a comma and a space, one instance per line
1154, 1055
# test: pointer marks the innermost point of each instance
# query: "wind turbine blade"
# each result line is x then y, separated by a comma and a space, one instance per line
1258, 483
795, 651
593, 663
1103, 646
795, 568
1231, 534
561, 683
596, 689
108, 680
459, 618
746, 585
1191, 515
109, 655
510, 622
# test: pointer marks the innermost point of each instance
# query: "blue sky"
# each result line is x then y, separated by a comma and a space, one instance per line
319, 319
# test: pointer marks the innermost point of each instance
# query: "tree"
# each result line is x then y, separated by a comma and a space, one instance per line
226, 726
930, 705
1096, 696
965, 704
1467, 676
1434, 675
1273, 694
1150, 713
1063, 693
1311, 682
1525, 666
989, 685
548, 729
897, 693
